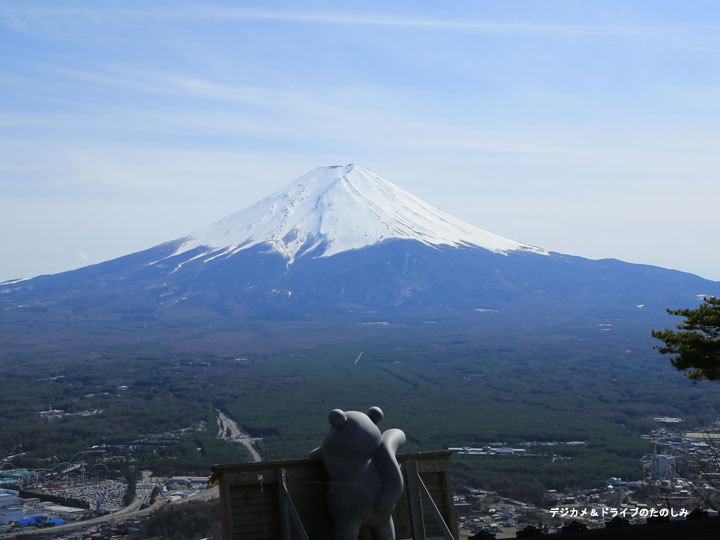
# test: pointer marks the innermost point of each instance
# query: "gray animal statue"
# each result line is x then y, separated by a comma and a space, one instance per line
365, 478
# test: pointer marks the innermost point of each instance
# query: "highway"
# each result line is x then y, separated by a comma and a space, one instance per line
226, 423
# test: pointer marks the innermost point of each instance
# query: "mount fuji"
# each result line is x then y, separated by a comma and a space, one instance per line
343, 241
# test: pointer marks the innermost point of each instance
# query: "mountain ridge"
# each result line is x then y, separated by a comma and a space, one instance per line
256, 277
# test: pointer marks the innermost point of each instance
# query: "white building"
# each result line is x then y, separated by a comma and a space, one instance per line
8, 515
662, 467
9, 497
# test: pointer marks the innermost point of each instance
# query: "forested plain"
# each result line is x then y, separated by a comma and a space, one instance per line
446, 384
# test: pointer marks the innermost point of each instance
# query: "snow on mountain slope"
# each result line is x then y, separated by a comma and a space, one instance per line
334, 209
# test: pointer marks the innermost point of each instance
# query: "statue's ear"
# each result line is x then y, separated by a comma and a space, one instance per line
375, 414
337, 418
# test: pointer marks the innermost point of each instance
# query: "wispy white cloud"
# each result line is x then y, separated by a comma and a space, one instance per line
82, 257
176, 85
21, 16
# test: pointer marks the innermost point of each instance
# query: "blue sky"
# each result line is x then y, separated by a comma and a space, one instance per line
589, 128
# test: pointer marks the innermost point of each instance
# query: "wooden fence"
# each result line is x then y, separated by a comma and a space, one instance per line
285, 500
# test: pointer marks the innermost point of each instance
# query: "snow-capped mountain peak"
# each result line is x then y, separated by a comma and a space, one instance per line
334, 209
